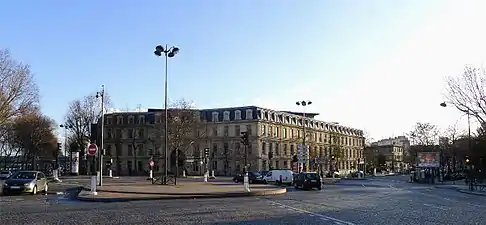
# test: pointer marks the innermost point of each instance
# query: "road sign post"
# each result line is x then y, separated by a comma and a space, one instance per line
151, 164
92, 149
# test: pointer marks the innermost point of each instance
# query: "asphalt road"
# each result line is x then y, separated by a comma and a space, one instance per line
375, 201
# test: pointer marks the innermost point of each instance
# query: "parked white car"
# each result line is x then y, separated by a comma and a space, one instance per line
277, 176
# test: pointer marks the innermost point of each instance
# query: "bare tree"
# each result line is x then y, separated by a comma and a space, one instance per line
368, 139
81, 114
424, 134
467, 92
18, 91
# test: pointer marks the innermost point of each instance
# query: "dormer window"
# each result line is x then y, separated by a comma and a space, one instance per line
215, 117
226, 115
249, 114
119, 120
237, 115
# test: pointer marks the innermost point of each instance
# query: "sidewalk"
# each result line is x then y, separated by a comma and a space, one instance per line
118, 192
459, 186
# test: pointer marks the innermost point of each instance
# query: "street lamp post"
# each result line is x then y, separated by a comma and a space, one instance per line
66, 127
101, 94
168, 52
304, 104
444, 104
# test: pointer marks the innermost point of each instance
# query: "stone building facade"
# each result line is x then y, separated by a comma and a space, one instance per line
131, 139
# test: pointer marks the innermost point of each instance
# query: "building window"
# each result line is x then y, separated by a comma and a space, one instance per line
108, 150
215, 116
226, 115
215, 131
108, 120
285, 149
292, 150
119, 120
248, 129
130, 120
226, 131
237, 115
284, 131
140, 133
130, 133
130, 150
263, 148
270, 131
141, 119
264, 128
237, 130
249, 114
276, 132
215, 151
140, 151
277, 151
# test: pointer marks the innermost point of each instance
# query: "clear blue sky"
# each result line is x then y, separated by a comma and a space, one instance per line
232, 52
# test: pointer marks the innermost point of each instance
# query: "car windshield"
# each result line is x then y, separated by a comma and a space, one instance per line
24, 175
311, 175
256, 174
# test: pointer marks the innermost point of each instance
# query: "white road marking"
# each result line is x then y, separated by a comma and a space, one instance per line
322, 217
363, 185
476, 205
435, 206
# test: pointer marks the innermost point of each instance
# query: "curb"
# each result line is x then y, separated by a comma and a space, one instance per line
472, 193
198, 196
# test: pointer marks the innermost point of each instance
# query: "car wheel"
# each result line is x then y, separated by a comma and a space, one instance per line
34, 190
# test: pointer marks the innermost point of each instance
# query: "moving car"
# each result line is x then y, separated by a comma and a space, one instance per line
5, 175
308, 180
279, 177
253, 177
25, 182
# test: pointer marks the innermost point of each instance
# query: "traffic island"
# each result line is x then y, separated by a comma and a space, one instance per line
186, 190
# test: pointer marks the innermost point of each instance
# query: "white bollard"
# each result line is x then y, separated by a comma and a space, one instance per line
246, 183
184, 173
151, 174
206, 174
110, 173
93, 185
212, 173
55, 174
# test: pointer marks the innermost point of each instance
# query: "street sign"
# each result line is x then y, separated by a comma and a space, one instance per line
92, 149
151, 163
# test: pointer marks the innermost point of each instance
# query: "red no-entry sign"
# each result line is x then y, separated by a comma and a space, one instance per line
151, 163
92, 149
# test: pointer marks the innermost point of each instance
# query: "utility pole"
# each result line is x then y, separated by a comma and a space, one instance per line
101, 94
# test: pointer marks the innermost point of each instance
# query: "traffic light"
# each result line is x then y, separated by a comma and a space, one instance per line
206, 153
108, 163
333, 157
294, 159
245, 138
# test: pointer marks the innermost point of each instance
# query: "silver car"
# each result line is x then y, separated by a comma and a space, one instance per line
26, 182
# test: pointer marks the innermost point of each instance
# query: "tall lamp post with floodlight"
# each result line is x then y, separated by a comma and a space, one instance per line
168, 52
304, 147
65, 126
101, 95
468, 113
